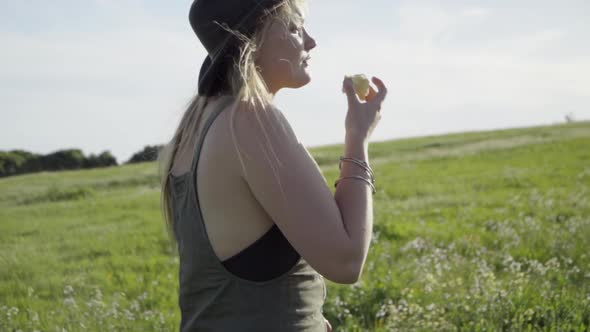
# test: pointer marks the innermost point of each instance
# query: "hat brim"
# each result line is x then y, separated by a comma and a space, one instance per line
213, 65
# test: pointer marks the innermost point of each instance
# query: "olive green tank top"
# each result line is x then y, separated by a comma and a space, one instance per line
211, 298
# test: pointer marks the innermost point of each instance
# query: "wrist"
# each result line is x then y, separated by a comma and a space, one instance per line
354, 138
356, 148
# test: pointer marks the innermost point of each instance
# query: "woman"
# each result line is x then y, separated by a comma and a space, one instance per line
257, 227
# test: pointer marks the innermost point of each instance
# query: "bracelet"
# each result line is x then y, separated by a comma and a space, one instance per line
361, 164
358, 178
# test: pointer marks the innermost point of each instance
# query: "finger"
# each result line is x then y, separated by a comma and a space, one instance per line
353, 99
371, 95
382, 90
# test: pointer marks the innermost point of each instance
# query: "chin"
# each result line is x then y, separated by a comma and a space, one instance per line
301, 80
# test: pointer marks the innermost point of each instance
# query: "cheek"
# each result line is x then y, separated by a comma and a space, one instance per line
280, 52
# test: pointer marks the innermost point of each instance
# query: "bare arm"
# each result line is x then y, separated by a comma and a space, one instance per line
355, 201
287, 182
331, 232
354, 197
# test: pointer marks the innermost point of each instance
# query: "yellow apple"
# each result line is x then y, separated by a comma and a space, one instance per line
361, 85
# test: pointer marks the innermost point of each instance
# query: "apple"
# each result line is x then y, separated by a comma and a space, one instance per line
360, 84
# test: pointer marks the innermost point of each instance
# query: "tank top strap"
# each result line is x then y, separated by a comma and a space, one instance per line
201, 139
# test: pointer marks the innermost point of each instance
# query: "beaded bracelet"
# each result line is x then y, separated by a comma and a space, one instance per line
361, 164
358, 178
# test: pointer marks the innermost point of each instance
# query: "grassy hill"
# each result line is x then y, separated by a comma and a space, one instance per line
473, 231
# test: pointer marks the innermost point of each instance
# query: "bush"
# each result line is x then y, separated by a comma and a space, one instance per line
149, 153
62, 160
16, 162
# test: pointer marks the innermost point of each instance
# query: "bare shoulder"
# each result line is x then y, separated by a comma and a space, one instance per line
270, 115
257, 129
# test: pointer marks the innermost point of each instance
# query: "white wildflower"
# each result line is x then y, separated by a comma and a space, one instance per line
68, 290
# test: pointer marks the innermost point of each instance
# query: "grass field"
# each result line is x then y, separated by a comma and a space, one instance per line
481, 231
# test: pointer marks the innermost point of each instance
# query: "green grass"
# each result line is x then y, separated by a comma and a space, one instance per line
477, 231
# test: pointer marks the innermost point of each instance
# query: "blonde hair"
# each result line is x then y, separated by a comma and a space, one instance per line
245, 82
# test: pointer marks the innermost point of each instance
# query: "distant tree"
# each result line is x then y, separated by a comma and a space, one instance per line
10, 163
16, 162
106, 159
33, 162
92, 161
569, 118
149, 153
63, 159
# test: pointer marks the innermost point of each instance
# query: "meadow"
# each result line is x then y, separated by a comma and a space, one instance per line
477, 231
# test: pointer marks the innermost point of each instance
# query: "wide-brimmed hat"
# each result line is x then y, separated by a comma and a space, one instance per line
211, 20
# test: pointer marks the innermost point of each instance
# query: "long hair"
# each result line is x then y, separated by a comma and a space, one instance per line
245, 82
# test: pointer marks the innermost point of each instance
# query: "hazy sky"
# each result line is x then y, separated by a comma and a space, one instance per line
116, 74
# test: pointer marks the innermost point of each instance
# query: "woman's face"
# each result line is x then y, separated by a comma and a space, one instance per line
284, 55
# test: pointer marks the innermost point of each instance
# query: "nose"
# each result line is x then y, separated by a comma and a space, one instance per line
309, 41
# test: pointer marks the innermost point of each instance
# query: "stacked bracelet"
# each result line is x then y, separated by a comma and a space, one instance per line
362, 164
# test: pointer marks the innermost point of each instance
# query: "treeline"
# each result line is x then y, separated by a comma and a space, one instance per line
17, 162
21, 162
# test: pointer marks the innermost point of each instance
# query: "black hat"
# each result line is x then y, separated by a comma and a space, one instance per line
208, 18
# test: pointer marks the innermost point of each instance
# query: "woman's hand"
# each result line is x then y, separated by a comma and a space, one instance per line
329, 326
362, 117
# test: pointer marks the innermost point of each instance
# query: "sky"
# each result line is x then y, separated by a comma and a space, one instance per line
117, 74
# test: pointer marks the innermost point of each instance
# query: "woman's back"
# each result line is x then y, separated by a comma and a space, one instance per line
211, 297
233, 217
